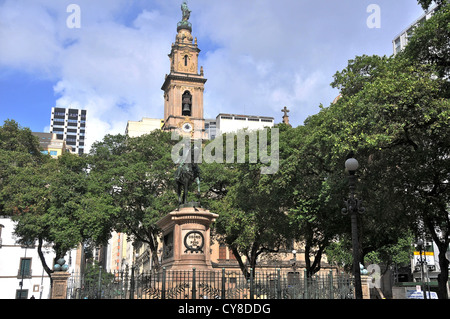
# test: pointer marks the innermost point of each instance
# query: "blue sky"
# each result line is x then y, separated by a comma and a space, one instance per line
258, 55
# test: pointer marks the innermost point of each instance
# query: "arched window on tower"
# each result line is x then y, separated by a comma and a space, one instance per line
186, 107
186, 58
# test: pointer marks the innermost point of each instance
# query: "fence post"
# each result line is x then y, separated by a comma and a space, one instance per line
305, 279
99, 287
132, 283
163, 292
194, 290
126, 281
251, 284
223, 283
331, 285
278, 284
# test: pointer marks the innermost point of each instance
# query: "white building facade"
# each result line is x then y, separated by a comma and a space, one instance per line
228, 123
21, 273
144, 126
401, 40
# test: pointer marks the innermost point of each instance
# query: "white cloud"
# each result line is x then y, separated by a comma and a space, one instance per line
27, 38
258, 56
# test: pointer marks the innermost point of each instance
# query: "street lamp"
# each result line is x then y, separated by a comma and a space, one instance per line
353, 205
423, 263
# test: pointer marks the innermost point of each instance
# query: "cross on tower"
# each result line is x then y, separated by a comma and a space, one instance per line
285, 116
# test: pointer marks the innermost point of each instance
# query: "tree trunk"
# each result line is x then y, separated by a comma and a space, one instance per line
242, 265
154, 251
47, 269
443, 262
443, 276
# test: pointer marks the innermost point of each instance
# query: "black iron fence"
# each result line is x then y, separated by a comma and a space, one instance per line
195, 284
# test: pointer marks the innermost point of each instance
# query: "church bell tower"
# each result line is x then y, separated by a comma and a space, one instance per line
184, 85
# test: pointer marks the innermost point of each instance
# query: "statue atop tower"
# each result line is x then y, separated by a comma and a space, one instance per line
184, 23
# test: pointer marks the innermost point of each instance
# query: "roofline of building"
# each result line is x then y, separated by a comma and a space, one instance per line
247, 116
415, 22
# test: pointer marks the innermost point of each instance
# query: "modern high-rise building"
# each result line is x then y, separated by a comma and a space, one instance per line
69, 125
401, 40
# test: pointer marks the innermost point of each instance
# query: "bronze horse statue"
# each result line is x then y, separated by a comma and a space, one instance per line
187, 172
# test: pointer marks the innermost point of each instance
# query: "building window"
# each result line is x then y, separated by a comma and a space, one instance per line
22, 294
53, 153
186, 60
25, 268
222, 252
397, 45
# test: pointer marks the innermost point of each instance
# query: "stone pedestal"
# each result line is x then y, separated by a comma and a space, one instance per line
186, 238
59, 285
365, 286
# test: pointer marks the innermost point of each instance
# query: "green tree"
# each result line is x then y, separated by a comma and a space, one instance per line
311, 189
427, 3
398, 123
251, 220
18, 148
50, 203
429, 44
50, 200
136, 176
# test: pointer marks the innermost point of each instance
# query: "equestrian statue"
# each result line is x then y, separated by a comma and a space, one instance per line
187, 172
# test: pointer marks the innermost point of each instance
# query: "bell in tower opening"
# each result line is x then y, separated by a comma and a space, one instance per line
187, 104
